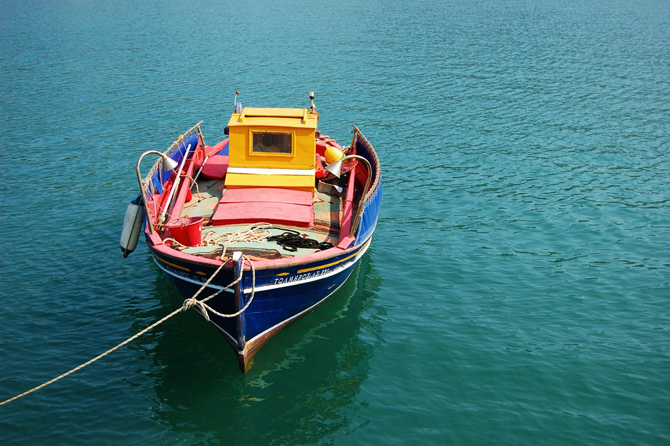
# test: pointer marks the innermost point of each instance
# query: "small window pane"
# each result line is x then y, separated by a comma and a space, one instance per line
270, 142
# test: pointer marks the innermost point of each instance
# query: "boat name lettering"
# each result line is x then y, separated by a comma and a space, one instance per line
181, 273
299, 277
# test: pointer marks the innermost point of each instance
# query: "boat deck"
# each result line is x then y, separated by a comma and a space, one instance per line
205, 199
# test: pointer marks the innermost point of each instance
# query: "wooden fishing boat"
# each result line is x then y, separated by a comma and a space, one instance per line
277, 209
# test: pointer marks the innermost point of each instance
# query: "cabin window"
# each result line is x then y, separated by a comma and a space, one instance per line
272, 142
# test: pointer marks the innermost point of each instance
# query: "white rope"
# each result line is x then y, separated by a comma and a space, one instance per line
256, 232
204, 307
197, 189
188, 303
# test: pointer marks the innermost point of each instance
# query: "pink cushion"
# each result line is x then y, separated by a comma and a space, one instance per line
267, 194
215, 167
263, 204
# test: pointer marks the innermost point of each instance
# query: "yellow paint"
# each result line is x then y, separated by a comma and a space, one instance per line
173, 265
282, 274
288, 181
333, 154
300, 123
267, 112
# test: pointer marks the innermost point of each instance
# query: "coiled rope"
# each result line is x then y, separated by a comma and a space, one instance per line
256, 232
188, 303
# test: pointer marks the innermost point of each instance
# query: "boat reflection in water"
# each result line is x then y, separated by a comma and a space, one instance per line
298, 392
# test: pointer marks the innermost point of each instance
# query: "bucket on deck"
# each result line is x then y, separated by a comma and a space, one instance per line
187, 230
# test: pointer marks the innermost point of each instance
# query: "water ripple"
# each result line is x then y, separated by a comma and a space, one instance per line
518, 282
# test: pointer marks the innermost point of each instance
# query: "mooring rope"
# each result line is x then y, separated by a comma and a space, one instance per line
188, 303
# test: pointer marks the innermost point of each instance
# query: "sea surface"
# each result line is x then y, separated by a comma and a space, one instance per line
517, 290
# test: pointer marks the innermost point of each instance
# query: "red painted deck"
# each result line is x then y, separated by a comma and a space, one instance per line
260, 204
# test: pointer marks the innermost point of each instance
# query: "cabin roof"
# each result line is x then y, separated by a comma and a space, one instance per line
274, 117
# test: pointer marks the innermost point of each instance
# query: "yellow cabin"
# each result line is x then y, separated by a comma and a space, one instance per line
272, 147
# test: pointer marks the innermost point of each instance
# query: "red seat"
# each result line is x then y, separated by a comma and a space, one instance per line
215, 167
264, 204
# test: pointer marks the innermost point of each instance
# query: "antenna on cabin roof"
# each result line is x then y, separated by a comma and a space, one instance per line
237, 108
311, 98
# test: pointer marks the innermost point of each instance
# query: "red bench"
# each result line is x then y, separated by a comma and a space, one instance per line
264, 204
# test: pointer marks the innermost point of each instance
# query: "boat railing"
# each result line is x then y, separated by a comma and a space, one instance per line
175, 148
365, 149
367, 215
155, 179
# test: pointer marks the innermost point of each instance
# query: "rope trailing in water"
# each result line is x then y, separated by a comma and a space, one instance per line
188, 303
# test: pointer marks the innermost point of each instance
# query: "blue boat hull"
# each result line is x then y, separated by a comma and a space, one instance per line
280, 295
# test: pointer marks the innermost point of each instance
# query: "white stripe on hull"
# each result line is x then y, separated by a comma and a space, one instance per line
273, 287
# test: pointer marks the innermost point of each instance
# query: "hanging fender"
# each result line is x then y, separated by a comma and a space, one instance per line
132, 226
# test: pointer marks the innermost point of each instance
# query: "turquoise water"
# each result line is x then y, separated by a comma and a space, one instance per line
518, 287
